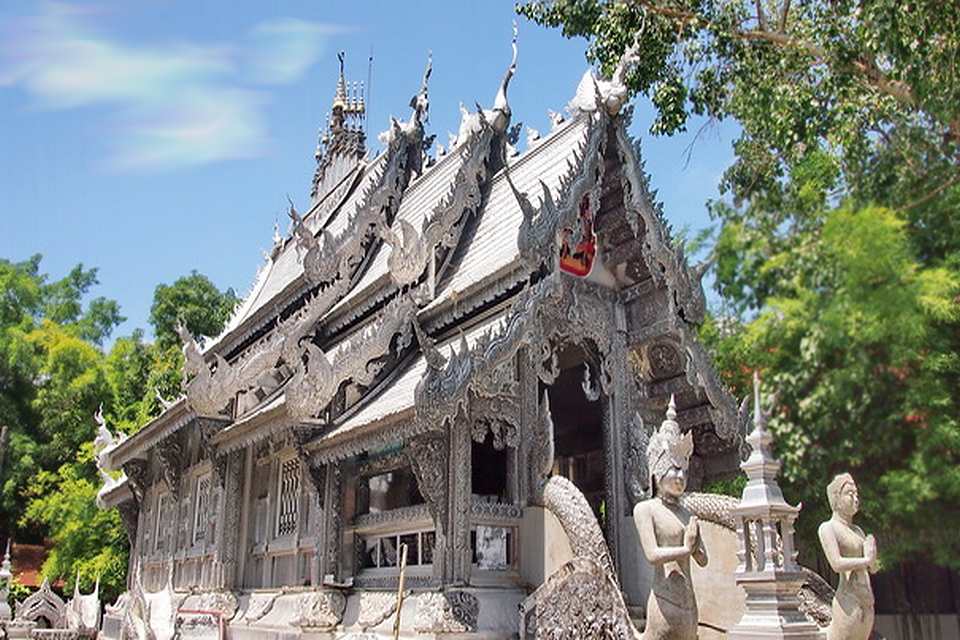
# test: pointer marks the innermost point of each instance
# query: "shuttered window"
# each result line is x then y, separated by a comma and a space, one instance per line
288, 505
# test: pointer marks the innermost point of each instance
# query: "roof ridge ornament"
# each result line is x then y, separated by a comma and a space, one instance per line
499, 116
500, 104
610, 94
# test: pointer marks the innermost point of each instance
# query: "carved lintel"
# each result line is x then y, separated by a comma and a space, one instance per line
500, 415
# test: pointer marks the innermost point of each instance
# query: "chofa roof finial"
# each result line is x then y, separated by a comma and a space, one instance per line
500, 103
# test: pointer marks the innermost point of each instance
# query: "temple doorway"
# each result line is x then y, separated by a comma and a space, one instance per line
578, 432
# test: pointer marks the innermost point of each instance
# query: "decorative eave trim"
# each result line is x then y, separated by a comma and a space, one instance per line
372, 435
117, 494
254, 428
137, 445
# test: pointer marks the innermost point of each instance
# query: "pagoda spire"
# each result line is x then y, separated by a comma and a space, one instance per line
343, 143
767, 558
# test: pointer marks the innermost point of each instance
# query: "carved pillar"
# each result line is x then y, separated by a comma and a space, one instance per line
246, 506
333, 520
228, 534
529, 412
459, 479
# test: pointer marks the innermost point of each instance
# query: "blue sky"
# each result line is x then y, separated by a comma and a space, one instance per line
152, 138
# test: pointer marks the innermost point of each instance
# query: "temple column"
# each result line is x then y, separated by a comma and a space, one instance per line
246, 505
459, 478
333, 522
228, 533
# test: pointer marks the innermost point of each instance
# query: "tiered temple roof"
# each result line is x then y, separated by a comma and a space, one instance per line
324, 341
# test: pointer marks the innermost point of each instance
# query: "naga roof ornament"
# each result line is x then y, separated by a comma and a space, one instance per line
359, 360
499, 116
609, 94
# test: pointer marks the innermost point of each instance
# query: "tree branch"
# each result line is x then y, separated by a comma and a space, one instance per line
932, 194
863, 66
783, 16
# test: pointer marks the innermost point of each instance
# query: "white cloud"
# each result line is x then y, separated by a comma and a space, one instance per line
168, 106
284, 49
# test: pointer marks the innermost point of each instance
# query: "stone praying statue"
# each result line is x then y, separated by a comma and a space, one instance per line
670, 535
852, 554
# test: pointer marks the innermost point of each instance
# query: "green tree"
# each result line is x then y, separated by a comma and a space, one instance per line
196, 301
873, 84
857, 348
86, 539
51, 372
54, 375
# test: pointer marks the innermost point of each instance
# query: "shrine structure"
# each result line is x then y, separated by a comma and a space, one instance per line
442, 330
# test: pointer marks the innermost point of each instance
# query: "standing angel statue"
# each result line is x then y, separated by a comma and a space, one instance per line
670, 535
852, 554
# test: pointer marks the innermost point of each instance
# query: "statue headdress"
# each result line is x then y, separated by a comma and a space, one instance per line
835, 489
669, 448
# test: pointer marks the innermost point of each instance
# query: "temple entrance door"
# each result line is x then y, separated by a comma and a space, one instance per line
578, 435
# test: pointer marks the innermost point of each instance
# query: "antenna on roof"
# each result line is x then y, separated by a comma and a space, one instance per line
369, 84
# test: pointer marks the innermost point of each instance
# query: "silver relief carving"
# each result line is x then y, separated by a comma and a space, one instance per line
319, 610
428, 460
636, 476
259, 606
576, 601
315, 383
685, 298
447, 612
170, 455
375, 608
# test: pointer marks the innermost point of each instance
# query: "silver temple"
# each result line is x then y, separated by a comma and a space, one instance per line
460, 354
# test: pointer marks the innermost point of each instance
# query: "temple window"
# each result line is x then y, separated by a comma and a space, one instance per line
492, 547
387, 491
489, 471
201, 512
383, 552
288, 493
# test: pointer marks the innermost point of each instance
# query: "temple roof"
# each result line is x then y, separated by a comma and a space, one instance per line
394, 401
381, 214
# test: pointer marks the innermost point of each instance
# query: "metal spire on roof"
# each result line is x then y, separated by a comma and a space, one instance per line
342, 143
